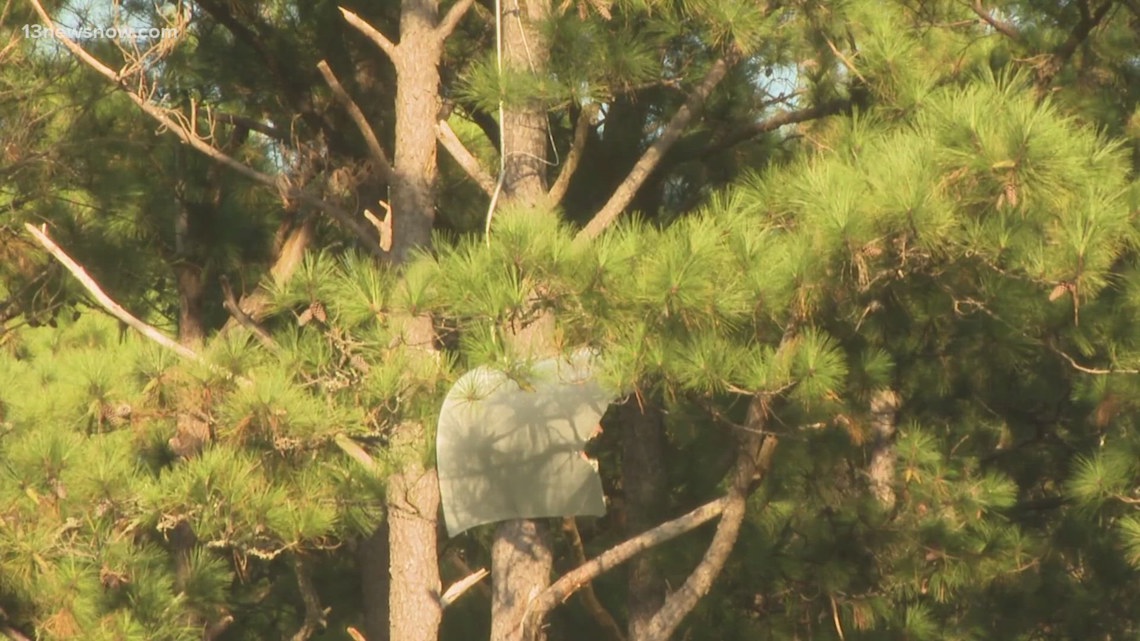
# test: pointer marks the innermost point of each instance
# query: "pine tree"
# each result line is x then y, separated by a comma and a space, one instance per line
925, 303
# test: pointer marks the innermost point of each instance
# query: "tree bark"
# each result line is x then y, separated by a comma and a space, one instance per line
417, 108
414, 590
644, 481
521, 559
520, 567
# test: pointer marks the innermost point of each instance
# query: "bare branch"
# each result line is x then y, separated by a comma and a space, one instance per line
386, 45
581, 129
1001, 27
110, 305
572, 581
467, 161
773, 123
451, 20
187, 135
625, 192
354, 112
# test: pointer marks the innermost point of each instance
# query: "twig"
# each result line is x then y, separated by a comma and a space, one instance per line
354, 112
649, 160
581, 129
110, 305
466, 160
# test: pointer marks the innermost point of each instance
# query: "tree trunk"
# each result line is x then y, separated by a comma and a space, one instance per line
520, 562
521, 559
644, 481
414, 590
417, 108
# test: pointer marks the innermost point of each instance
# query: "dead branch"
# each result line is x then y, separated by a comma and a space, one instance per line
752, 463
108, 304
354, 112
467, 161
645, 165
373, 34
558, 190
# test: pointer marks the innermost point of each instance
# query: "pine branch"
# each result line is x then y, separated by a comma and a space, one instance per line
197, 142
626, 191
108, 304
451, 20
1065, 51
730, 508
466, 160
754, 460
1001, 27
383, 165
581, 130
387, 46
791, 117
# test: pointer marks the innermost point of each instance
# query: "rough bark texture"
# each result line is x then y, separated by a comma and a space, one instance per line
521, 559
881, 471
413, 601
525, 126
520, 568
417, 109
644, 481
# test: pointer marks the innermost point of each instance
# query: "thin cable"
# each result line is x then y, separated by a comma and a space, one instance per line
502, 138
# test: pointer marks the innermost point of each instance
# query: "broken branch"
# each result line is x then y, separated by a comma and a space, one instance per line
108, 304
